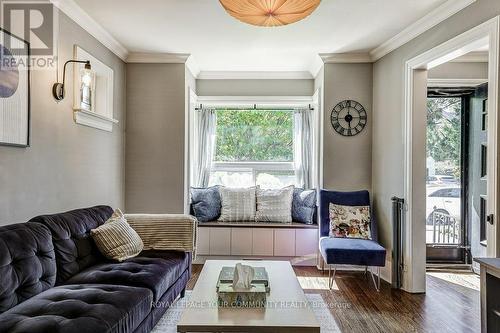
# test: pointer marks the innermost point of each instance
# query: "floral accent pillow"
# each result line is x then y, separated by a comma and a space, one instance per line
350, 221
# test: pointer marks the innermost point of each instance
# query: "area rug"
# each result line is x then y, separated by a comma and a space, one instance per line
168, 323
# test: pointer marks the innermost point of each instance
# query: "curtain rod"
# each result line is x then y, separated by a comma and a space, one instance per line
225, 108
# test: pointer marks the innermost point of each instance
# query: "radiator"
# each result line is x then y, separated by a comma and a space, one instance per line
397, 242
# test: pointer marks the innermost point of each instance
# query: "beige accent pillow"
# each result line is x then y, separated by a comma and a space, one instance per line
237, 204
350, 221
274, 205
116, 239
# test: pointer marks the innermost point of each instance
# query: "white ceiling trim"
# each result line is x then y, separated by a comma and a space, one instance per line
481, 56
257, 75
441, 13
158, 58
77, 14
455, 83
355, 58
438, 15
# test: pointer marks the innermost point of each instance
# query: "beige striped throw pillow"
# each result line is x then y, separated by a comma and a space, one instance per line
116, 239
274, 205
237, 204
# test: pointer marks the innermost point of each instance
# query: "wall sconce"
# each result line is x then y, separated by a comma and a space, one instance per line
86, 78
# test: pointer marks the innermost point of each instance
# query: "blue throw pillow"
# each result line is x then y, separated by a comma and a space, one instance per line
304, 205
205, 203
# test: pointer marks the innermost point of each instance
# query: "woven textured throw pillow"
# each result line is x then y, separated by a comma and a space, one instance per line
116, 239
274, 205
237, 204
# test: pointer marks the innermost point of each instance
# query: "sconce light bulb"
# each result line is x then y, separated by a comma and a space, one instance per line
87, 79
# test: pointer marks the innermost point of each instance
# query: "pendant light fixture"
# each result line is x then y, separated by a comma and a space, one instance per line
269, 13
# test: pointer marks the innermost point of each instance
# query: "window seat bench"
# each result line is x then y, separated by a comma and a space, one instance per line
296, 242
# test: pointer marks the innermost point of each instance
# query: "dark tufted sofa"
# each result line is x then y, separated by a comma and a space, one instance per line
53, 279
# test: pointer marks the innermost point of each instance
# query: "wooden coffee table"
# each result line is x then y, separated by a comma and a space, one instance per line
287, 309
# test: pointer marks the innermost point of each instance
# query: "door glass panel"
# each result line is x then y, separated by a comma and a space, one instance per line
444, 170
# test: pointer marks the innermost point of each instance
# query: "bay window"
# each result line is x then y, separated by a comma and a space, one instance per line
239, 147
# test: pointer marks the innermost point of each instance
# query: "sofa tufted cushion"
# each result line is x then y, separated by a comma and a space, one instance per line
80, 308
155, 270
75, 250
27, 263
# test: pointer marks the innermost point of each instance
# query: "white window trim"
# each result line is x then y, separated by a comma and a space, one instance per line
261, 101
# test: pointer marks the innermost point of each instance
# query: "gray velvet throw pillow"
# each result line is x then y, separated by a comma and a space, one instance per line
304, 205
206, 203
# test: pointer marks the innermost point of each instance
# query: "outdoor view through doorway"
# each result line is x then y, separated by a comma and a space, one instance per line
456, 181
445, 228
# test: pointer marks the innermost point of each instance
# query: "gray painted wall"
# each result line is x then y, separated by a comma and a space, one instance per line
255, 87
155, 138
347, 161
68, 165
460, 70
388, 97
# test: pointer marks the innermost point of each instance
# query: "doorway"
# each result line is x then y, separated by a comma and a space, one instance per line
415, 106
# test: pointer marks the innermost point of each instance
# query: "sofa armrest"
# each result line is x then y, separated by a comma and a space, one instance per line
165, 231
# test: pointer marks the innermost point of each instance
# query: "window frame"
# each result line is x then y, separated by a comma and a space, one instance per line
268, 102
255, 167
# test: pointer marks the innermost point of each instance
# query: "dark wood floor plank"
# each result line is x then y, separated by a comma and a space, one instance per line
358, 307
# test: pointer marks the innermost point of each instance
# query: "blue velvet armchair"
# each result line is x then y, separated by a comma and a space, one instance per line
349, 251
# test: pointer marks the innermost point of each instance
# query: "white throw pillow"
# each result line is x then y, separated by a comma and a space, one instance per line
274, 205
116, 239
237, 204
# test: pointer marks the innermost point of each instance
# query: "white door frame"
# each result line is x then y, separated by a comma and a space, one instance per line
414, 238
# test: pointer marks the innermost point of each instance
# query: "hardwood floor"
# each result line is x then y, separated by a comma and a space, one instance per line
358, 307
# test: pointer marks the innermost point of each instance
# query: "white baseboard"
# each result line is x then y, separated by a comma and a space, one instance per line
386, 272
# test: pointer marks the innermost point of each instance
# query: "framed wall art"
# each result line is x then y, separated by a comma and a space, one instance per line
14, 90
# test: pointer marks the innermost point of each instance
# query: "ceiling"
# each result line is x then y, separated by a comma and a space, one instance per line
218, 42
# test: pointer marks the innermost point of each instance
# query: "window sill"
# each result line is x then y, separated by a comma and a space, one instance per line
92, 119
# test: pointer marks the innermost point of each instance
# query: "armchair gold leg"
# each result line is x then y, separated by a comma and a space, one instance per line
376, 283
331, 277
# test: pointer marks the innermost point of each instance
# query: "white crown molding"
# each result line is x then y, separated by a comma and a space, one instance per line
193, 67
77, 14
438, 15
481, 56
454, 83
355, 58
441, 13
256, 75
157, 58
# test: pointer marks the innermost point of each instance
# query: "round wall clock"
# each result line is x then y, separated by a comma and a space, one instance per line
348, 118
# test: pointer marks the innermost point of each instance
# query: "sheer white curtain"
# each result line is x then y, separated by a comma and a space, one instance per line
206, 125
303, 147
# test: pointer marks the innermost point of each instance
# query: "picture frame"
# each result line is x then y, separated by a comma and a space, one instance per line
15, 91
